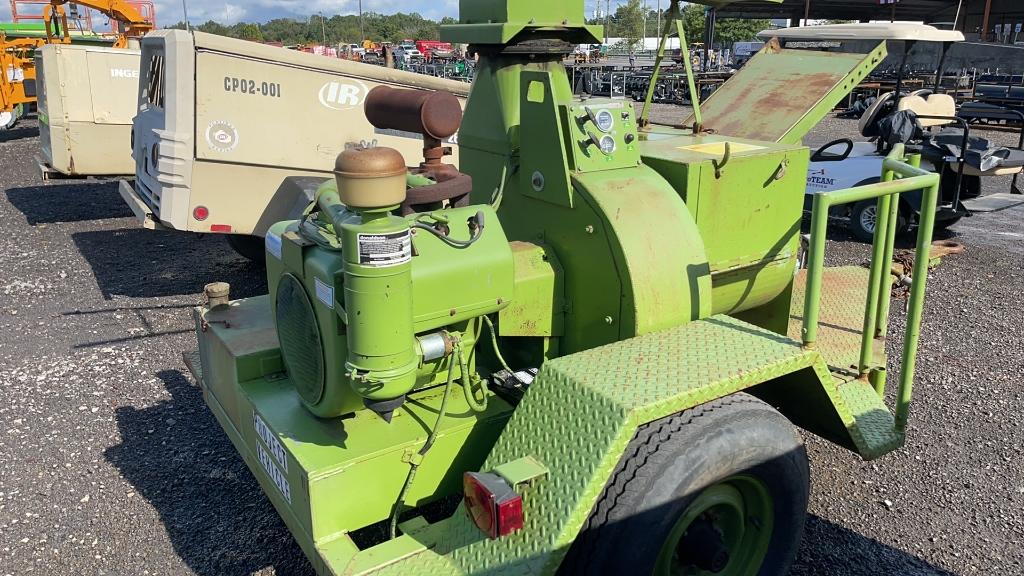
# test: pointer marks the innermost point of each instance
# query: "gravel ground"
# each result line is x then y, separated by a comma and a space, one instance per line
112, 464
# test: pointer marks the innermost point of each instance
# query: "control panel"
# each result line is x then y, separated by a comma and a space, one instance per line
602, 135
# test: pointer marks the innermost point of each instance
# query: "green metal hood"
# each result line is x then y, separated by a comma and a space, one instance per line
780, 95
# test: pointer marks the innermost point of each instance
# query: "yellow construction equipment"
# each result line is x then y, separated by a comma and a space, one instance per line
131, 22
16, 66
17, 69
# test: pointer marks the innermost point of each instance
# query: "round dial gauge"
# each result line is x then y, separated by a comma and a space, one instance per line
604, 120
607, 144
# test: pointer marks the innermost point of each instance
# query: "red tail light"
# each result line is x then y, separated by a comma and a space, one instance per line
223, 228
492, 504
200, 213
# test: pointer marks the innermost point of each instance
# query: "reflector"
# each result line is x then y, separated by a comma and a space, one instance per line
493, 504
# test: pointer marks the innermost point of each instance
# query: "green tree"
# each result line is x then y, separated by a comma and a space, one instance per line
727, 30
251, 32
631, 23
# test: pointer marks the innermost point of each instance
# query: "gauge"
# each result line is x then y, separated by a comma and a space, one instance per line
605, 121
607, 144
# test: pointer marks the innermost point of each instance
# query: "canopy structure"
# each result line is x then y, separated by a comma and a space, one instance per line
987, 20
922, 10
865, 31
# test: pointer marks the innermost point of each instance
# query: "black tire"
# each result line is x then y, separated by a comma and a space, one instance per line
942, 225
862, 220
671, 462
249, 247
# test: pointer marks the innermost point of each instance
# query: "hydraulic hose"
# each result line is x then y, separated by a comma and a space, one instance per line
400, 502
467, 386
497, 351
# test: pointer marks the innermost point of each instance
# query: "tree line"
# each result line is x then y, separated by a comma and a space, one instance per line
331, 30
630, 21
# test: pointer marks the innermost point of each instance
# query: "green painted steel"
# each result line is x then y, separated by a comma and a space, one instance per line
673, 18
911, 178
768, 83
726, 508
641, 272
500, 21
328, 477
537, 306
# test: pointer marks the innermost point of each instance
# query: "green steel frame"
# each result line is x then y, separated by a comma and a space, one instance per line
686, 312
876, 311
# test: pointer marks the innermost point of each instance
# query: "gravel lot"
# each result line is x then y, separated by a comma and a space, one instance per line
112, 464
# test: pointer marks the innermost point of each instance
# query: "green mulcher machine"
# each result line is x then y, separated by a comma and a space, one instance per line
585, 350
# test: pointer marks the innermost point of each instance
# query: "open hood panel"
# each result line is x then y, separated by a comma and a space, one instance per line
780, 95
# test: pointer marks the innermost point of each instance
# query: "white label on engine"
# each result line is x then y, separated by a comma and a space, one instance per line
268, 437
273, 243
324, 293
276, 476
383, 250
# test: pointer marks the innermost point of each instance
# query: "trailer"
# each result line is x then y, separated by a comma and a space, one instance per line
228, 132
594, 365
87, 101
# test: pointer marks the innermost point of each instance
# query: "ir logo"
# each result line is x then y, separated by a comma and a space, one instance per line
343, 95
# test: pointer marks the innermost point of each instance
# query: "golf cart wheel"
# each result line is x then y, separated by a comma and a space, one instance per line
718, 489
864, 216
941, 225
249, 247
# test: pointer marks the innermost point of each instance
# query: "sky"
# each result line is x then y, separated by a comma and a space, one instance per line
232, 11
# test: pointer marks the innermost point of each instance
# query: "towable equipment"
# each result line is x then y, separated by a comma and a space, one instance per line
594, 362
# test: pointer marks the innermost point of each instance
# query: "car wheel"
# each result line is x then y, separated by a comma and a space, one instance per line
249, 247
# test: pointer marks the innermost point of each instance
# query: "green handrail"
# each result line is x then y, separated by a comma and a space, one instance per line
911, 177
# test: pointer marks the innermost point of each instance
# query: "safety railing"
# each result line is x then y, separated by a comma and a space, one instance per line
899, 174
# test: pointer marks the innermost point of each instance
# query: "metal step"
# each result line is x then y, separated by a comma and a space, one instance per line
994, 202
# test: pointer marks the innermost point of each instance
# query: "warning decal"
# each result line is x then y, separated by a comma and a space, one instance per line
383, 250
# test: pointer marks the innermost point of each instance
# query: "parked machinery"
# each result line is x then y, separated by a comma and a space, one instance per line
566, 349
233, 136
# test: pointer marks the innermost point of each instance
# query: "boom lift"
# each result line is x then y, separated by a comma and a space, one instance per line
600, 351
131, 19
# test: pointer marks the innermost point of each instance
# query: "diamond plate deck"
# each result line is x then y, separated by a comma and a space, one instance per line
843, 298
577, 419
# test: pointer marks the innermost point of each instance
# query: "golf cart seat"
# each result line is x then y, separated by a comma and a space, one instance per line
874, 113
931, 105
1003, 170
982, 157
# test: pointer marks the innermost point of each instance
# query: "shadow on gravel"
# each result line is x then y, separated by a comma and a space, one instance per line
141, 263
70, 202
18, 133
176, 456
831, 549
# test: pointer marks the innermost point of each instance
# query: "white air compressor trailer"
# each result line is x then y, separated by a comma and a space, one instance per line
87, 99
232, 136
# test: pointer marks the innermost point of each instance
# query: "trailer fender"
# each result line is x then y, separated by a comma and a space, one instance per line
577, 419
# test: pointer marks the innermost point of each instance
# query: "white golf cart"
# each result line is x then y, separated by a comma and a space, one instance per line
961, 160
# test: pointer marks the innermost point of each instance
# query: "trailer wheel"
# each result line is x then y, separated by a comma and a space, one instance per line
718, 489
249, 247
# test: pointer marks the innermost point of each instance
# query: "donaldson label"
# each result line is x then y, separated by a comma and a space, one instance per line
383, 250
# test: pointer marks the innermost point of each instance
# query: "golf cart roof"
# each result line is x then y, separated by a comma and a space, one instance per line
865, 31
